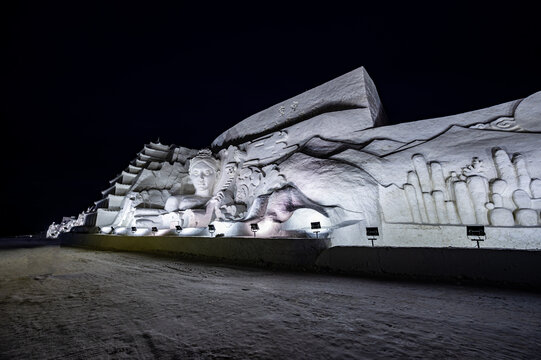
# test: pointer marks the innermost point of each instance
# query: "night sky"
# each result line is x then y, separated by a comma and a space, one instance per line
86, 86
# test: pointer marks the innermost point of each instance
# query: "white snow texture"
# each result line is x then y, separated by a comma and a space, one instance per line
326, 155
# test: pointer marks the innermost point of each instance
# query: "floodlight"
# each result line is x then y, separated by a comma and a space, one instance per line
179, 228
372, 234
254, 227
133, 229
154, 230
212, 229
476, 233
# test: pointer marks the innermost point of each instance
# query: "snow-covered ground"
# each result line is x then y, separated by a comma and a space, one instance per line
73, 303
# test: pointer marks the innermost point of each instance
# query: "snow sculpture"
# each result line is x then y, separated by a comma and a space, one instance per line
468, 194
326, 155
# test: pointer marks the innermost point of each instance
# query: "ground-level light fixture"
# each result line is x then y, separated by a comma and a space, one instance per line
178, 228
476, 233
154, 230
255, 228
212, 229
372, 234
316, 227
133, 229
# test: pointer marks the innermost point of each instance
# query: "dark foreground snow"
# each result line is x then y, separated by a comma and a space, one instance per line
71, 303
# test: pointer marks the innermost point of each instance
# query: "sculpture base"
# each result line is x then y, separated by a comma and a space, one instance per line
505, 267
421, 235
278, 252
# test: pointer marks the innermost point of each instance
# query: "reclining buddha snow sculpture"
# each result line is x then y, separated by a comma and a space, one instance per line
204, 170
326, 155
223, 193
197, 210
190, 209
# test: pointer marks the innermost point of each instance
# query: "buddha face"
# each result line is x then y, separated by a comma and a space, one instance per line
203, 177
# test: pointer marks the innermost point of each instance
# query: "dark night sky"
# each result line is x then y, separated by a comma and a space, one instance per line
86, 86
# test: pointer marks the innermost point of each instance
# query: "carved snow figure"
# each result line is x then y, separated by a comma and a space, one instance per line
197, 210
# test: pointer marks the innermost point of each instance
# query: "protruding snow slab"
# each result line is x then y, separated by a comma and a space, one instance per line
381, 147
353, 90
528, 113
105, 217
318, 146
114, 201
429, 128
334, 126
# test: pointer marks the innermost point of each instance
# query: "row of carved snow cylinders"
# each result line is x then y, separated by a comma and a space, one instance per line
426, 194
512, 192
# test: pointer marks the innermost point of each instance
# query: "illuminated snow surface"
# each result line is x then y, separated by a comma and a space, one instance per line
72, 303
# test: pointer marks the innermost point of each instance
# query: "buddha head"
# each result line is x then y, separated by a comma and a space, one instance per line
204, 171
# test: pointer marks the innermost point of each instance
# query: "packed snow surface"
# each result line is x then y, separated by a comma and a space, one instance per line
73, 303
